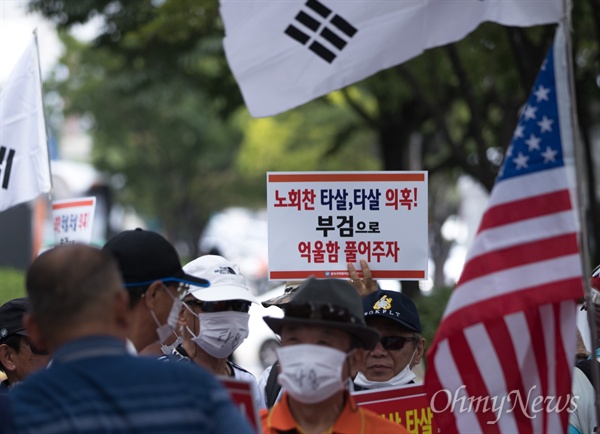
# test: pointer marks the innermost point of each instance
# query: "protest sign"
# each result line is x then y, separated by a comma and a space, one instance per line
73, 220
241, 394
320, 221
407, 405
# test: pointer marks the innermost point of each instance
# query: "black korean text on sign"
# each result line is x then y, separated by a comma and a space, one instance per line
362, 198
337, 198
345, 226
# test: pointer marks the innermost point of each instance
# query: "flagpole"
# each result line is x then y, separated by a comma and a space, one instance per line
581, 199
37, 51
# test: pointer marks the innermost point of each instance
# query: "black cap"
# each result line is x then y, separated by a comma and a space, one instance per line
335, 293
393, 305
145, 256
11, 317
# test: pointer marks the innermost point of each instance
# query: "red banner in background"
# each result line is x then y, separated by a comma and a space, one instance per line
407, 405
241, 394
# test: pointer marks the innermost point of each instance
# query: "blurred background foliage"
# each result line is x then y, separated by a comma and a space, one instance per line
167, 117
12, 284
431, 309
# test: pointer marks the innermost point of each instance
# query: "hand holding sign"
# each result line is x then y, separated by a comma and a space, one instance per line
366, 285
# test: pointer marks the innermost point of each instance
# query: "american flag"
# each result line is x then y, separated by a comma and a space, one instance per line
502, 357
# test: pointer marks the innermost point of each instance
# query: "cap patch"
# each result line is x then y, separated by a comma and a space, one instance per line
3, 333
225, 270
393, 305
384, 303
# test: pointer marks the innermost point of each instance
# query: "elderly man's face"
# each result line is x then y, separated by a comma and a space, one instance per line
307, 334
382, 364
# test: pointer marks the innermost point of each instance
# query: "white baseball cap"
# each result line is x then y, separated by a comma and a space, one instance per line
226, 281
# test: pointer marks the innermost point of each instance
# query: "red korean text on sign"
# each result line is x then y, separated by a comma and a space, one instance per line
405, 197
300, 199
319, 252
83, 220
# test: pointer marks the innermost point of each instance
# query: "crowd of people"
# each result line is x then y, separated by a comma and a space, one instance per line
125, 339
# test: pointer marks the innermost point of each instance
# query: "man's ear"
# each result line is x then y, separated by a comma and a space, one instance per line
151, 294
419, 354
6, 357
33, 331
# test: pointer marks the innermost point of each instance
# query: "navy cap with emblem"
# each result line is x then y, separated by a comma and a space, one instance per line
11, 317
393, 305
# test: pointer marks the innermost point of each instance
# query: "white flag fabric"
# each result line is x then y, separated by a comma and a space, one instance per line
286, 53
24, 167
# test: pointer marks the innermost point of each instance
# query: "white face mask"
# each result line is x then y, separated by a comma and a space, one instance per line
165, 331
402, 378
311, 373
221, 333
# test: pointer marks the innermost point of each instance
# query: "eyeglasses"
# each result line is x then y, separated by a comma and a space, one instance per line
181, 290
220, 306
395, 343
327, 312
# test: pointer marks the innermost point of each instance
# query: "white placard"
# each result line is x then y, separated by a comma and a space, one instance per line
320, 221
73, 220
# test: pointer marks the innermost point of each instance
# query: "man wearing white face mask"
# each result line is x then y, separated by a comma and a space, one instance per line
156, 283
401, 347
215, 319
322, 334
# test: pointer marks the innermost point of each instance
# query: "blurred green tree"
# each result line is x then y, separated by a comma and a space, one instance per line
12, 284
450, 111
165, 139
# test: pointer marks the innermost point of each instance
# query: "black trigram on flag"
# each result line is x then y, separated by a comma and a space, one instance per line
324, 26
6, 161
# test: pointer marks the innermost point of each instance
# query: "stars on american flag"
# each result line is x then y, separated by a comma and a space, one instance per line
521, 161
546, 125
533, 142
541, 93
529, 112
519, 131
536, 141
549, 155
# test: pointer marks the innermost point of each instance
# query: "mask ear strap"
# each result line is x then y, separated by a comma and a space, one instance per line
166, 288
155, 318
196, 318
189, 309
413, 356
